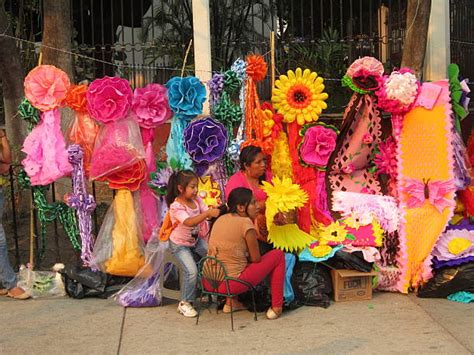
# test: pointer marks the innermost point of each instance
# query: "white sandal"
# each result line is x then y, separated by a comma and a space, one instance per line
272, 315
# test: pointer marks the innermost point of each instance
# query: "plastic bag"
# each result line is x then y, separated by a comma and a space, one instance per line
118, 250
144, 289
117, 146
83, 131
83, 282
40, 283
351, 261
449, 280
312, 284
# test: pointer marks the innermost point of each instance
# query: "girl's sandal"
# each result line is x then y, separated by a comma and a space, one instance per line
3, 291
271, 314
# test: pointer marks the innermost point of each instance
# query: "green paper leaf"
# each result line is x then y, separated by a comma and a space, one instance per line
350, 236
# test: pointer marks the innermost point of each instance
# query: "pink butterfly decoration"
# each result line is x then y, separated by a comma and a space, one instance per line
434, 191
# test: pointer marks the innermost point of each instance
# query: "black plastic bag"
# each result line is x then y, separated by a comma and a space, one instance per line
350, 261
449, 280
83, 282
312, 284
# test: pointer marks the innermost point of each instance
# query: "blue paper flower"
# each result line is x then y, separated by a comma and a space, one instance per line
186, 95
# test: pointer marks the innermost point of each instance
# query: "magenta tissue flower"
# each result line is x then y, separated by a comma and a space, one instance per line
318, 144
109, 99
150, 105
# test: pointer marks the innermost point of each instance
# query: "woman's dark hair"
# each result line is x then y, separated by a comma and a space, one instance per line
239, 196
247, 157
178, 178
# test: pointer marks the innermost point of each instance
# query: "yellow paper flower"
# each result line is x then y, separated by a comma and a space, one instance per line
378, 233
281, 161
289, 237
209, 191
299, 96
320, 251
458, 245
335, 232
352, 222
268, 122
283, 196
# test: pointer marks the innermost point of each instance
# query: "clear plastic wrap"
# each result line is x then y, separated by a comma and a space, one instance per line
144, 290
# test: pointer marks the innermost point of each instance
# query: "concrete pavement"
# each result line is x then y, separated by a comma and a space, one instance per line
389, 323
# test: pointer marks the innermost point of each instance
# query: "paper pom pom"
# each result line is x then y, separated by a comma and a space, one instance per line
299, 96
76, 98
398, 91
364, 73
186, 95
46, 87
205, 140
150, 105
109, 99
256, 67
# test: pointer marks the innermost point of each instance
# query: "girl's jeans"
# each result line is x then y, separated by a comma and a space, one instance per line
185, 257
7, 276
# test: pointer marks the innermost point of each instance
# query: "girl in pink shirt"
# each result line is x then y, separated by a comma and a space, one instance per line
189, 214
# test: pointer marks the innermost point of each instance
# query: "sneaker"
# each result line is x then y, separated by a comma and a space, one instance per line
186, 309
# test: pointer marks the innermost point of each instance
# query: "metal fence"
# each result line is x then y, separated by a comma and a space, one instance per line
146, 41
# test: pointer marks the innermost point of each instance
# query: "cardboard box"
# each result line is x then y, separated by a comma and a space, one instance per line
352, 285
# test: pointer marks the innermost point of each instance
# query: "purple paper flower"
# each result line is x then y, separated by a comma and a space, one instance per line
205, 140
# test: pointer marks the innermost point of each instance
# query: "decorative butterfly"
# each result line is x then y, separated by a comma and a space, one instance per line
434, 191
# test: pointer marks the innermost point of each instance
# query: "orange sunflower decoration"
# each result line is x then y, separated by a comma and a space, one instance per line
299, 96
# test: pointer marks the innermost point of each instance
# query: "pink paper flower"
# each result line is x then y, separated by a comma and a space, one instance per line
46, 87
318, 144
109, 99
367, 139
386, 158
150, 105
348, 169
398, 92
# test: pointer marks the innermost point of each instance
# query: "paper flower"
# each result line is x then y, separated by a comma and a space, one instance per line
129, 178
159, 179
109, 99
209, 191
320, 251
283, 196
46, 87
335, 232
319, 141
317, 252
299, 96
367, 139
205, 140
386, 158
289, 237
150, 105
281, 160
256, 67
364, 74
186, 95
76, 98
454, 244
398, 92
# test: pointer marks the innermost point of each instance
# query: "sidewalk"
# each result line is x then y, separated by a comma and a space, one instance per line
389, 323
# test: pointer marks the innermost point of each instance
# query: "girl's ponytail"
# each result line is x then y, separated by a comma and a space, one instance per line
172, 189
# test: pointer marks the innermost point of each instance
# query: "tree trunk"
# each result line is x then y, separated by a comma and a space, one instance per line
414, 48
12, 76
57, 33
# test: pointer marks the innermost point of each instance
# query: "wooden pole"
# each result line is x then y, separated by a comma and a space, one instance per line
272, 56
